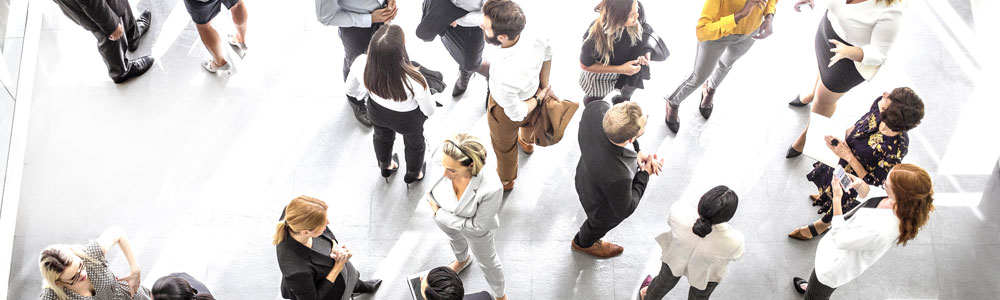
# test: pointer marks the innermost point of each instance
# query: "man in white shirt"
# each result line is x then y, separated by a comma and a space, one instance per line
518, 81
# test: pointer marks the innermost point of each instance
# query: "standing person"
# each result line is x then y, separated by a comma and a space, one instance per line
614, 53
465, 204
180, 286
314, 265
398, 100
464, 41
610, 178
726, 30
890, 217
519, 80
869, 149
202, 12
81, 272
116, 30
852, 43
358, 20
699, 246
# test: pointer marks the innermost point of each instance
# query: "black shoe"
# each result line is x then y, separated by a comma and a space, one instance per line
792, 152
369, 287
672, 115
360, 111
798, 284
462, 83
412, 177
136, 67
797, 102
143, 25
707, 102
388, 172
618, 99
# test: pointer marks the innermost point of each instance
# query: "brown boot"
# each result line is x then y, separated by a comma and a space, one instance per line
600, 249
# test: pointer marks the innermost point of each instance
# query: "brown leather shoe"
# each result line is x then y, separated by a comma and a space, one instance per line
600, 249
528, 148
508, 186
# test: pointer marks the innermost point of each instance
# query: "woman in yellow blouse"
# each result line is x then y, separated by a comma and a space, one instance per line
726, 30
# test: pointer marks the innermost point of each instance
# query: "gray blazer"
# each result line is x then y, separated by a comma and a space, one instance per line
477, 211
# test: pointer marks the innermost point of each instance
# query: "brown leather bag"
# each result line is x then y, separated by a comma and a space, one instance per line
549, 121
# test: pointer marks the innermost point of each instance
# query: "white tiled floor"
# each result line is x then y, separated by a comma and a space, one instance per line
197, 167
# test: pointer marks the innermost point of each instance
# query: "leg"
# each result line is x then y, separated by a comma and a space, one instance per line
592, 231
355, 40
465, 44
458, 243
705, 61
213, 43
413, 141
662, 284
484, 248
383, 140
825, 103
625, 94
503, 135
696, 294
807, 97
733, 52
817, 290
239, 12
113, 53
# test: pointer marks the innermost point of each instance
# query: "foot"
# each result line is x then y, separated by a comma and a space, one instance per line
642, 293
797, 102
527, 147
142, 25
459, 266
800, 284
213, 67
673, 120
809, 232
600, 249
504, 297
508, 185
618, 99
136, 67
792, 152
238, 46
707, 101
373, 286
462, 83
360, 111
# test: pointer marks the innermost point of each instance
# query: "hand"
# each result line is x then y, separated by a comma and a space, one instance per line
542, 92
133, 279
803, 2
644, 60
765, 28
632, 67
341, 254
434, 205
837, 190
839, 51
118, 33
859, 185
840, 149
384, 15
750, 4
655, 164
454, 24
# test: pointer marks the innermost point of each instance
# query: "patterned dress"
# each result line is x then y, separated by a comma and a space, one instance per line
878, 153
105, 285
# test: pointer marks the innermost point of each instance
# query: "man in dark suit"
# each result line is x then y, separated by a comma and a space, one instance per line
610, 178
116, 30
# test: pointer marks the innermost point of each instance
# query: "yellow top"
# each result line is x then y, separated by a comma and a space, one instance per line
718, 19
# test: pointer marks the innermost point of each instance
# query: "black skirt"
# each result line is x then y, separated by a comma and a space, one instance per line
203, 11
843, 75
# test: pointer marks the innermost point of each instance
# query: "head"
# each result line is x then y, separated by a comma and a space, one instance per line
616, 17
176, 288
464, 156
62, 267
717, 206
442, 283
911, 188
624, 122
901, 109
503, 21
388, 65
303, 216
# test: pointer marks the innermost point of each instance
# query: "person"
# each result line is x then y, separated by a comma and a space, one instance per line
726, 30
314, 264
518, 82
82, 272
463, 40
465, 203
116, 30
892, 216
610, 178
871, 147
358, 20
180, 286
614, 55
442, 283
202, 12
398, 100
699, 245
852, 43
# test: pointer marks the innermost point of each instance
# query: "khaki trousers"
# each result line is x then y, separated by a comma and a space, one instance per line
503, 135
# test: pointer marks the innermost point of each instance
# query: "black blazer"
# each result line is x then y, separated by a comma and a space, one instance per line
303, 271
95, 15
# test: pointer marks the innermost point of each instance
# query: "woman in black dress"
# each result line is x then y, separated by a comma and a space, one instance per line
876, 143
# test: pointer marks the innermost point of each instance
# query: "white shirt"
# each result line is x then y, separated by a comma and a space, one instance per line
869, 25
475, 15
347, 13
356, 88
701, 260
852, 246
514, 73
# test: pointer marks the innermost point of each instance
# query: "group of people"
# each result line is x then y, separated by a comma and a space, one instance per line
885, 203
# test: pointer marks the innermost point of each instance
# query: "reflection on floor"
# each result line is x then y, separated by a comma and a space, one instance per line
197, 167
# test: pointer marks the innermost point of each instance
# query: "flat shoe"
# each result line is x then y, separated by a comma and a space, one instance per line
239, 48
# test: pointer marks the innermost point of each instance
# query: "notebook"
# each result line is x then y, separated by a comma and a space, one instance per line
413, 281
820, 127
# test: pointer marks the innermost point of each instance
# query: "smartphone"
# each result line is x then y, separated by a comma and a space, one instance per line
841, 175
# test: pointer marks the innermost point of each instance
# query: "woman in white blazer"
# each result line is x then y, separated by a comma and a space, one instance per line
699, 245
465, 203
857, 241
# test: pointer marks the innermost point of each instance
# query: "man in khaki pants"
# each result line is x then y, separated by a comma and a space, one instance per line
519, 79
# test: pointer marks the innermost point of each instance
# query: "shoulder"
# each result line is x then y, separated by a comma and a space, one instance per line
48, 294
491, 184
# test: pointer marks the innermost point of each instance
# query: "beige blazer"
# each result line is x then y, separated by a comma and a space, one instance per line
701, 260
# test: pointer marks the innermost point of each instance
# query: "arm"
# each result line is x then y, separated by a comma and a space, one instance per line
883, 35
625, 194
848, 238
487, 209
423, 98
101, 14
770, 8
116, 236
355, 86
543, 75
712, 26
328, 13
301, 285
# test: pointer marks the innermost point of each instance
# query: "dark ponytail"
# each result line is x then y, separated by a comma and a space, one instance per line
718, 205
172, 287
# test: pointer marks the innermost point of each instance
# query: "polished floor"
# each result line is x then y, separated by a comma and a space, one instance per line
197, 167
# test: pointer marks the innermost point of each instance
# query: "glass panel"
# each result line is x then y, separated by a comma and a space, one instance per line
13, 14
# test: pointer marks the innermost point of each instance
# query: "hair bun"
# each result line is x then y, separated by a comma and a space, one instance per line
702, 227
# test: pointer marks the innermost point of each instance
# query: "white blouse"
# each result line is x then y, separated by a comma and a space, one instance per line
871, 25
356, 88
701, 260
854, 245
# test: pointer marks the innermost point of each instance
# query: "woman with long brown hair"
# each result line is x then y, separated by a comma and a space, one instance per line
400, 101
858, 239
616, 51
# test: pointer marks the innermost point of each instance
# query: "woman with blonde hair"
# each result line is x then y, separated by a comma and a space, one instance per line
465, 203
314, 265
860, 237
81, 272
616, 51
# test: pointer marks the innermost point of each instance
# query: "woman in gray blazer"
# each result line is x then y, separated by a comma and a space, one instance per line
465, 203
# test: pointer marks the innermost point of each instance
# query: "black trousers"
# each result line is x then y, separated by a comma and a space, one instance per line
113, 52
817, 290
593, 229
665, 281
387, 123
465, 44
356, 41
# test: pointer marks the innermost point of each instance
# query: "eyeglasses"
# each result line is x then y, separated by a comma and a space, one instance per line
76, 278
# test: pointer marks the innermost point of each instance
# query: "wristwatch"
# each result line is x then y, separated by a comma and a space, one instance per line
538, 102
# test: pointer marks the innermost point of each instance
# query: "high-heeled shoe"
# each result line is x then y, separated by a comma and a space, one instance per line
411, 177
239, 47
792, 152
388, 172
797, 102
208, 66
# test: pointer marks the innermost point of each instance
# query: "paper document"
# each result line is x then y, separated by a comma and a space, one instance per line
819, 128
